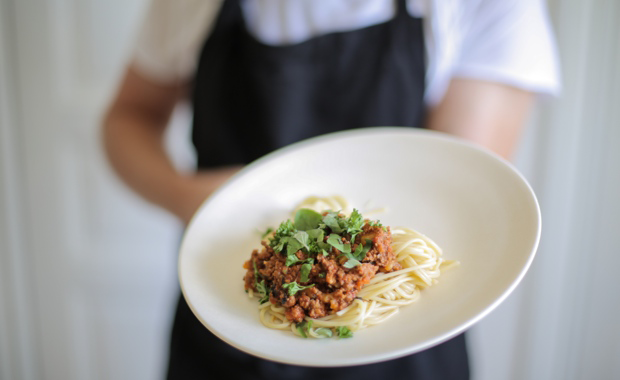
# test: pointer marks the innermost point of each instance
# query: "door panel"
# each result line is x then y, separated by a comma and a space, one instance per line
103, 262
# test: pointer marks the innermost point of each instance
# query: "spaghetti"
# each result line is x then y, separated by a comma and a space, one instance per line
417, 263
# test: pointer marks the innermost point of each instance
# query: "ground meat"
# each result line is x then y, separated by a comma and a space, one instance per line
381, 254
334, 286
295, 314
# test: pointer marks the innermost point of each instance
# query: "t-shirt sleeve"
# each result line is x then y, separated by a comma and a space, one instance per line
171, 36
511, 42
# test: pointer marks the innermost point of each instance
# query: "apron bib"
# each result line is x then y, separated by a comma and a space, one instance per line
250, 98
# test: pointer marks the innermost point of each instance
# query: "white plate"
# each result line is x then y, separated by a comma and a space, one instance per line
475, 205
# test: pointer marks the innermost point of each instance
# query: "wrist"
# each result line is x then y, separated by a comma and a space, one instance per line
190, 191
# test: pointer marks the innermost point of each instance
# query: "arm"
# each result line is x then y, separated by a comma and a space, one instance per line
487, 113
133, 132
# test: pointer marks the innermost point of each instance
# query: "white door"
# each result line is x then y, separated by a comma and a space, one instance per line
88, 270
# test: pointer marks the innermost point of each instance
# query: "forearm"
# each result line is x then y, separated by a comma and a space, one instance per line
133, 136
134, 146
488, 114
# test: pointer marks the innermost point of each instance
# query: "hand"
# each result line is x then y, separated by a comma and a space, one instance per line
197, 188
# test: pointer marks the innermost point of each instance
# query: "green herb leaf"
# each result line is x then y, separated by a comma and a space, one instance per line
355, 222
306, 219
332, 220
264, 291
316, 240
303, 327
362, 249
256, 274
316, 234
291, 260
294, 287
358, 250
344, 332
351, 263
324, 331
322, 275
300, 328
336, 241
352, 240
264, 298
285, 230
375, 223
292, 246
367, 247
305, 272
325, 246
302, 237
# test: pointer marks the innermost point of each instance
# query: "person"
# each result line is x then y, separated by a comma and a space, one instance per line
262, 74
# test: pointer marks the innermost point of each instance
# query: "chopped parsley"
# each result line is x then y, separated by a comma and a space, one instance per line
305, 270
344, 332
294, 287
355, 258
324, 331
264, 292
376, 223
362, 250
307, 234
336, 241
303, 328
291, 260
352, 262
332, 220
354, 223
306, 219
281, 236
261, 287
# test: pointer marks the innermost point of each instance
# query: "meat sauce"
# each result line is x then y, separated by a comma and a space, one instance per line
333, 285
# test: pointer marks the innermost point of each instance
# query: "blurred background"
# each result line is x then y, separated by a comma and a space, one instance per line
88, 270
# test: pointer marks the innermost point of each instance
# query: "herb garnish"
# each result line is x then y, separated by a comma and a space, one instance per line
352, 262
336, 241
308, 231
306, 219
294, 287
261, 287
280, 238
305, 270
344, 332
324, 331
303, 327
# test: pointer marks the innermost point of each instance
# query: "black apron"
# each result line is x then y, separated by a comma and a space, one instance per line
250, 99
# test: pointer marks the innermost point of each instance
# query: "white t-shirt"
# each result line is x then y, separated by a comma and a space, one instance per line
505, 41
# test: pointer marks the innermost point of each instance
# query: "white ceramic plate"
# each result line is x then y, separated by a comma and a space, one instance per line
475, 205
